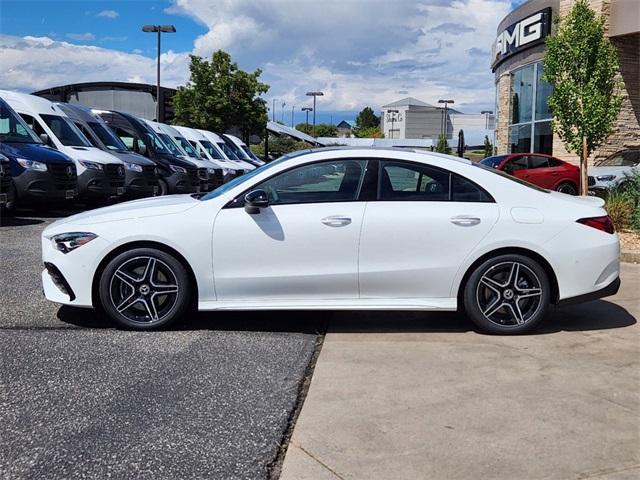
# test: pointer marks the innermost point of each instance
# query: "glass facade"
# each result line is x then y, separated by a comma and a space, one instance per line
530, 122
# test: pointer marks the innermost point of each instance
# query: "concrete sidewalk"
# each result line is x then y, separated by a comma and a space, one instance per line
415, 396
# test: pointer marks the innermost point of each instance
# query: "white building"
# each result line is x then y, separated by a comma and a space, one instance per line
411, 118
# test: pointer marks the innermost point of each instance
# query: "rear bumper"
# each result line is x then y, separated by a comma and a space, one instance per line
607, 291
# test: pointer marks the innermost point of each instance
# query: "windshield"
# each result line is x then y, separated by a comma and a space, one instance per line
227, 151
510, 177
107, 137
248, 151
629, 158
493, 161
13, 128
247, 176
168, 141
65, 131
187, 147
211, 150
237, 150
155, 142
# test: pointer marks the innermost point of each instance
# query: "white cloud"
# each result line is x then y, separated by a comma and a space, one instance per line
108, 14
81, 36
34, 63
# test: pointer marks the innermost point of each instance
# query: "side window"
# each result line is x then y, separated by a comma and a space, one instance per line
554, 162
538, 162
35, 126
518, 163
463, 190
332, 181
412, 182
631, 158
87, 134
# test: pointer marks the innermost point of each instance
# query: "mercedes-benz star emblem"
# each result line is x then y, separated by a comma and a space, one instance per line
70, 171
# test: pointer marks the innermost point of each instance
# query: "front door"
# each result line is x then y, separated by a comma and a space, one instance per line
416, 236
303, 246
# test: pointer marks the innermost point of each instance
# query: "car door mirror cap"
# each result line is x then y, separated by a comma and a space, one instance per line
255, 200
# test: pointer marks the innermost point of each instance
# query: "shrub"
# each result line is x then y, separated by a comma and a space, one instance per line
620, 209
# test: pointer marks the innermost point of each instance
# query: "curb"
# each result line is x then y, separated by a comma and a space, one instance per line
629, 256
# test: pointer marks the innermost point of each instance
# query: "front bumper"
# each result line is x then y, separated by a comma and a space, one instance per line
101, 184
142, 184
34, 185
183, 183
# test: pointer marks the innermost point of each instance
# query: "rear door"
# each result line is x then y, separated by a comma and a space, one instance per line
539, 173
416, 235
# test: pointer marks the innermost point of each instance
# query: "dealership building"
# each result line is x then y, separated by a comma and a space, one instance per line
523, 118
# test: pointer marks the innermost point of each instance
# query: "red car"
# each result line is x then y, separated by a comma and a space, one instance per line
540, 169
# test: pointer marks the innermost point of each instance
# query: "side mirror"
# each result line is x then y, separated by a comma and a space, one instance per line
45, 138
142, 149
255, 200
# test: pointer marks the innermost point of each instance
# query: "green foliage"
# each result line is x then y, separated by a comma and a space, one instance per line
219, 96
303, 127
280, 145
367, 119
488, 147
442, 146
326, 130
369, 132
581, 64
623, 202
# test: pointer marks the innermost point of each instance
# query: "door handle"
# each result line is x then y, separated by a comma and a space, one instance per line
465, 220
336, 221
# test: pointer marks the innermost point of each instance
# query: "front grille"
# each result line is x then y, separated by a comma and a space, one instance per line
5, 178
591, 181
115, 174
64, 175
202, 174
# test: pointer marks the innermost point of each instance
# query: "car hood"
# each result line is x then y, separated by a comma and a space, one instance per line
34, 151
91, 154
617, 171
131, 157
146, 207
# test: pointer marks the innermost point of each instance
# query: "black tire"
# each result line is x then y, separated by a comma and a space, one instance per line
163, 188
498, 304
568, 188
144, 289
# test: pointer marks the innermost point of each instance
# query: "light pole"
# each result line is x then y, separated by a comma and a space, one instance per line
486, 114
393, 119
307, 110
444, 120
158, 29
273, 110
314, 95
292, 109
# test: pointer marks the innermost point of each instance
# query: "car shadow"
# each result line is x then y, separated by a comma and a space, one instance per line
11, 221
596, 315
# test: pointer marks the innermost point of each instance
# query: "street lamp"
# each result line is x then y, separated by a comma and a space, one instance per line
293, 107
273, 110
307, 110
314, 95
393, 119
158, 29
486, 114
444, 120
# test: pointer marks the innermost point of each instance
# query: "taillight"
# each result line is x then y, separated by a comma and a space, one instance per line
603, 223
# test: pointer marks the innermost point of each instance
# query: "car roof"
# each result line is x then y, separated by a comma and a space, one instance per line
30, 103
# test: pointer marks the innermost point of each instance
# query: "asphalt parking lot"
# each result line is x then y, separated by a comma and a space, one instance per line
216, 396
81, 399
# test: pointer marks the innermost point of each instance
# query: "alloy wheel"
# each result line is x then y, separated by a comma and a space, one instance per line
144, 289
567, 188
509, 294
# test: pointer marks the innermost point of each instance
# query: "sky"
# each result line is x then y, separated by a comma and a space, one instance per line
358, 52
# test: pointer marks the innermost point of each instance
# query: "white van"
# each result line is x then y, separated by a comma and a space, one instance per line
242, 149
226, 151
100, 174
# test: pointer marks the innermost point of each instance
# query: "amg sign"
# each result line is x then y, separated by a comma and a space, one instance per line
521, 35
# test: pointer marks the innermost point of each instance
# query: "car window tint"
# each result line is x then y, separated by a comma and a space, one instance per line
412, 182
631, 158
538, 162
331, 181
464, 190
518, 163
554, 162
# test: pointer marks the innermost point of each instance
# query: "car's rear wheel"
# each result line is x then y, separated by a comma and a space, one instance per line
568, 188
507, 294
144, 289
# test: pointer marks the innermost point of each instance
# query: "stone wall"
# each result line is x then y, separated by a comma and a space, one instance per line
503, 115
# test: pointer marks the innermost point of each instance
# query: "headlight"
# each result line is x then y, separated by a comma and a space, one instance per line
66, 242
90, 165
212, 171
133, 166
32, 164
605, 178
176, 169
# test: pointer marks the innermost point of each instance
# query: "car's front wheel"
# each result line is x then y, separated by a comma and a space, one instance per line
144, 289
507, 294
568, 188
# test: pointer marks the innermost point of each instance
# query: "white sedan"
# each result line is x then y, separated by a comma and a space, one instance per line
341, 228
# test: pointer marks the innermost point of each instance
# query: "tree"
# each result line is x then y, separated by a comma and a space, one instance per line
305, 128
581, 64
488, 147
369, 132
442, 146
326, 130
367, 119
219, 96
